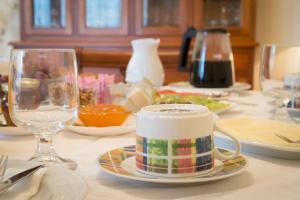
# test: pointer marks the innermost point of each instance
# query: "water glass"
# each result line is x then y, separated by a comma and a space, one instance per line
275, 63
43, 96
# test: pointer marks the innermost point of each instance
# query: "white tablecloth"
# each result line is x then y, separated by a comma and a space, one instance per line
265, 178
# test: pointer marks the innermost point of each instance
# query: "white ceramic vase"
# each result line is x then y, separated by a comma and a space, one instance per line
145, 63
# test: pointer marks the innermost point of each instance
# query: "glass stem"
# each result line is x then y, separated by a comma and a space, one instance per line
45, 148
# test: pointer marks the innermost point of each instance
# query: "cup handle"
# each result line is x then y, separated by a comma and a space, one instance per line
222, 156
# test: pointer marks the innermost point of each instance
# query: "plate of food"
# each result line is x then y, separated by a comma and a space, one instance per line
213, 93
173, 97
103, 120
261, 136
237, 86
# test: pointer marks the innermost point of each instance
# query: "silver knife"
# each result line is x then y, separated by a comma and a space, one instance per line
18, 177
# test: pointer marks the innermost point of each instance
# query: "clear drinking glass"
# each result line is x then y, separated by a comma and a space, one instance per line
43, 96
276, 63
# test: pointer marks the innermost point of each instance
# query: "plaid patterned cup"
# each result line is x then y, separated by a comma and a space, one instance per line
175, 140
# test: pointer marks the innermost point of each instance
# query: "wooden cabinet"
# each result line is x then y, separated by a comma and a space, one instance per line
45, 18
101, 31
100, 17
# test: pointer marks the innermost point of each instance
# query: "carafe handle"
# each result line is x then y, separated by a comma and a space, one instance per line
184, 50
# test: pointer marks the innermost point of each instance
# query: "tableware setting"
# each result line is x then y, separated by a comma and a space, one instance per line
179, 137
174, 144
121, 163
261, 136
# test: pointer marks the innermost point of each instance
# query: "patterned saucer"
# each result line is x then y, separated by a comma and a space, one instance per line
121, 162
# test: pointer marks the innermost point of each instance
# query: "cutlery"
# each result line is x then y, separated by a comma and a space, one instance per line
3, 162
288, 140
18, 177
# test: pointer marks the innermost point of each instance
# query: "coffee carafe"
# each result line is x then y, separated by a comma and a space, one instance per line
212, 60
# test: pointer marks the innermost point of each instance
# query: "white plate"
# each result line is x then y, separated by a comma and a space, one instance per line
59, 183
215, 93
127, 127
221, 92
14, 131
231, 105
254, 144
259, 148
121, 162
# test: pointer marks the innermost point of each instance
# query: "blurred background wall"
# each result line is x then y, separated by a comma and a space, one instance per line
277, 21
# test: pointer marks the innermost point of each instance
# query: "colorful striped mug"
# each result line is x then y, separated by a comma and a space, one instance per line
176, 140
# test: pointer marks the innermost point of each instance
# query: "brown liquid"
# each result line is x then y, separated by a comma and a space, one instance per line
211, 74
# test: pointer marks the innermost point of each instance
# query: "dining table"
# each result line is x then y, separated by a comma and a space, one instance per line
265, 177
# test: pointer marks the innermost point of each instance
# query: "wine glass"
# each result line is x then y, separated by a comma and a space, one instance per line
276, 63
43, 96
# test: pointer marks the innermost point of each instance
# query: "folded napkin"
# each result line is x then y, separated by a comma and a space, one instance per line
26, 188
246, 128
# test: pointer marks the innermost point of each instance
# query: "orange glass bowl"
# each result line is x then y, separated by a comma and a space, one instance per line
103, 115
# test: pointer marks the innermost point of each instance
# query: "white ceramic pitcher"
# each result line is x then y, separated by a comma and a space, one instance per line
145, 62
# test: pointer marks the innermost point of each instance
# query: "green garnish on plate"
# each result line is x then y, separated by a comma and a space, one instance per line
211, 104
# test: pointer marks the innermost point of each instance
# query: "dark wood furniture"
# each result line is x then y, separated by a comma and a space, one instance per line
108, 45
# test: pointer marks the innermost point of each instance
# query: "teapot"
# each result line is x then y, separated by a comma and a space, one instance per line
212, 59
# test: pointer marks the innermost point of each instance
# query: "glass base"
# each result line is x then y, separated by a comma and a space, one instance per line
54, 159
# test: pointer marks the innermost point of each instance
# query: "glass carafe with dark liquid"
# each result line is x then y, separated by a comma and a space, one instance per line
212, 59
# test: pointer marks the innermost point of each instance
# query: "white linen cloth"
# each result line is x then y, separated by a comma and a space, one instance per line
265, 178
26, 188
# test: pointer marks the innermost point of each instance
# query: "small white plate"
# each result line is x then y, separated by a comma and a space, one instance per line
14, 131
121, 162
128, 126
59, 183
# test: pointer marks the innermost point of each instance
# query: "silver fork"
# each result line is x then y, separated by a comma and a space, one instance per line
288, 140
3, 163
